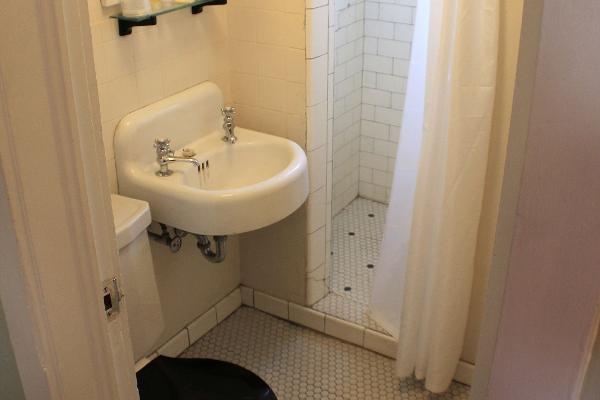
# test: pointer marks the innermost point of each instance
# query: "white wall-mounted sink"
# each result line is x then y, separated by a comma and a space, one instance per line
248, 185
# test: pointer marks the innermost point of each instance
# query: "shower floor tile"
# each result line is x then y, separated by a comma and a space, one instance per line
301, 364
357, 235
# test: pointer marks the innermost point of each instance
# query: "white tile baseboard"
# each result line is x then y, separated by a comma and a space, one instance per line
464, 372
304, 316
228, 305
176, 345
271, 305
344, 330
307, 317
197, 328
369, 339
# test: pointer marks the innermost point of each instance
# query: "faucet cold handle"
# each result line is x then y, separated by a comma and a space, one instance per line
228, 110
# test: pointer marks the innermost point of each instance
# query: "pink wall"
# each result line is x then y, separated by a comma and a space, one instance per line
553, 282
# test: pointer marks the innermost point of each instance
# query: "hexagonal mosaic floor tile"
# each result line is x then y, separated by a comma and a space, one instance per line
357, 235
301, 364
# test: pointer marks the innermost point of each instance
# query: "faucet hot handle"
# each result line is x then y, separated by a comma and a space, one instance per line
228, 110
162, 146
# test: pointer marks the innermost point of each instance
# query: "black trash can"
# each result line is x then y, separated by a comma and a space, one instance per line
168, 378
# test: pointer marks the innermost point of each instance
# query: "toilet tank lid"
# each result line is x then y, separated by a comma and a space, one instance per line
131, 218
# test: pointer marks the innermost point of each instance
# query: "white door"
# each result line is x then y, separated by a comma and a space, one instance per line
57, 238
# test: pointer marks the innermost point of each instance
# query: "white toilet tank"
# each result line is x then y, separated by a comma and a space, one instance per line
142, 302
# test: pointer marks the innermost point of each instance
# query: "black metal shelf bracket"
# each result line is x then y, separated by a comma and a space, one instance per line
197, 9
125, 26
127, 23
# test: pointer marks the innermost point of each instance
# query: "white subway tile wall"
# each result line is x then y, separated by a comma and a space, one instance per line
268, 68
154, 62
372, 43
388, 37
347, 78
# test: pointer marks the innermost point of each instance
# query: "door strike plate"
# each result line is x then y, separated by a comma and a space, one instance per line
111, 296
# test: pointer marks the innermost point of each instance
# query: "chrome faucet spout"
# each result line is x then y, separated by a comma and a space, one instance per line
194, 161
164, 156
164, 161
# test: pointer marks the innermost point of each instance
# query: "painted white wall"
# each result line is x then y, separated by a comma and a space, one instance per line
274, 258
189, 285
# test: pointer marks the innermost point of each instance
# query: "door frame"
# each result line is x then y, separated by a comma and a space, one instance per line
510, 219
57, 241
511, 190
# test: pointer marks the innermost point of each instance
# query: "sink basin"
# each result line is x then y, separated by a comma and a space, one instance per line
248, 185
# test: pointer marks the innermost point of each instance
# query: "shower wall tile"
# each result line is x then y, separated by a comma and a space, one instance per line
388, 38
317, 208
316, 87
317, 29
316, 249
395, 13
316, 118
379, 29
316, 3
345, 104
317, 168
372, 44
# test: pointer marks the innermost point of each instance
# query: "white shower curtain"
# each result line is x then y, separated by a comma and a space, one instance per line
423, 281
